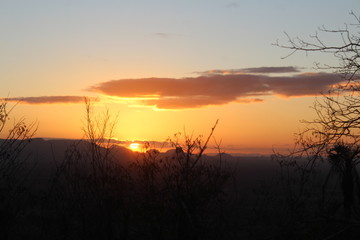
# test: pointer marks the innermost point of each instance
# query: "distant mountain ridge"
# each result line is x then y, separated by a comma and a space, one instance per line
46, 154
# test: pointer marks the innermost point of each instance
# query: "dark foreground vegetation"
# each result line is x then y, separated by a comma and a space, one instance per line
71, 189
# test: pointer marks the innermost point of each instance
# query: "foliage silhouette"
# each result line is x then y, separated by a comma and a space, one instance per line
13, 174
95, 195
179, 193
343, 160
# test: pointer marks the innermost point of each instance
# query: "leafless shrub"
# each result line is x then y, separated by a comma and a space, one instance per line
13, 172
179, 195
89, 188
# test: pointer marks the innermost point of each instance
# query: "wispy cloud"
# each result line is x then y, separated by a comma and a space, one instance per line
232, 5
288, 69
162, 35
217, 87
265, 70
47, 99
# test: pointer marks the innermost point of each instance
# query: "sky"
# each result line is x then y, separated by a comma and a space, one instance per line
167, 66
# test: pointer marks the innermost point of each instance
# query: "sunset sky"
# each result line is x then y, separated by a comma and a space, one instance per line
165, 66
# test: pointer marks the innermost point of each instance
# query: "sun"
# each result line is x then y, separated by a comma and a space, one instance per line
134, 146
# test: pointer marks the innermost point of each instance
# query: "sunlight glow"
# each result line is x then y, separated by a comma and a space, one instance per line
134, 146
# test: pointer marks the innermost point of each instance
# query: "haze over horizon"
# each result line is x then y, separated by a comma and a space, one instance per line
166, 66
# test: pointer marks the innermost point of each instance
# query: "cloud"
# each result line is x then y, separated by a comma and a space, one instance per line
162, 35
249, 100
232, 5
213, 87
223, 87
47, 99
288, 69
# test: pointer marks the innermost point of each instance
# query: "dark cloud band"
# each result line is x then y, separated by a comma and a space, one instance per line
214, 87
258, 70
47, 99
218, 89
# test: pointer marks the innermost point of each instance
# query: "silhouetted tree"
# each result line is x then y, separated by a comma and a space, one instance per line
343, 159
338, 112
334, 133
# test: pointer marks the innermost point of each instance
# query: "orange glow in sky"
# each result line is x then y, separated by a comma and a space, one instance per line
166, 67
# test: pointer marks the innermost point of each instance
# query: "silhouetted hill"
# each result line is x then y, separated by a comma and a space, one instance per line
54, 150
45, 155
48, 152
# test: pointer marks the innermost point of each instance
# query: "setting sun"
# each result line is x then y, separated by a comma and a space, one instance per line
134, 146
